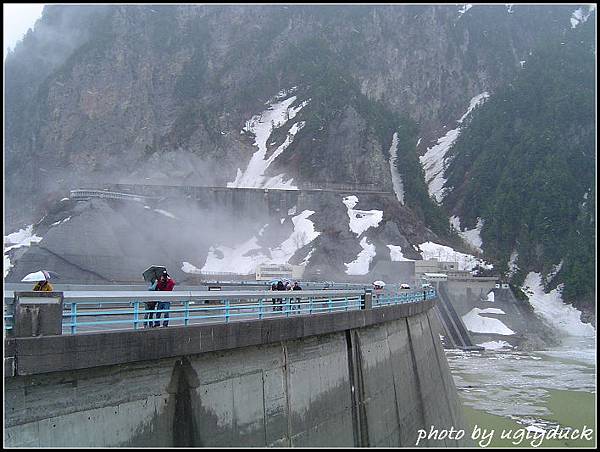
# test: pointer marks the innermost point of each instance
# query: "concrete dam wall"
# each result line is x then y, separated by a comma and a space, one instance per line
358, 378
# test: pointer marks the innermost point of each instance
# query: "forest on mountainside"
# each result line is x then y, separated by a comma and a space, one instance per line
526, 164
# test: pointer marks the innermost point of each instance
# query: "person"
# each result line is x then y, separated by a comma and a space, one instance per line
280, 286
150, 307
273, 289
43, 286
297, 287
165, 283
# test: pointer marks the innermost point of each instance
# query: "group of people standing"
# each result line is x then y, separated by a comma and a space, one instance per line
163, 283
279, 286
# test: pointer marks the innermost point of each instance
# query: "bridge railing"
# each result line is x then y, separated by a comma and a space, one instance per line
96, 311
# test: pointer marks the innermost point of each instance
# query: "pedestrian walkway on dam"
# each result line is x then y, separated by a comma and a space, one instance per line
100, 311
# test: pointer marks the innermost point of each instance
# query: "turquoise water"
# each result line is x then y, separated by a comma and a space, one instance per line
516, 393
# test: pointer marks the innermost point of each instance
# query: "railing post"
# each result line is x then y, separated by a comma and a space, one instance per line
73, 318
367, 299
329, 304
186, 314
287, 307
260, 308
226, 311
135, 314
346, 303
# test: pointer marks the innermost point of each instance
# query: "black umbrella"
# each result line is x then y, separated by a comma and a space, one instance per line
153, 273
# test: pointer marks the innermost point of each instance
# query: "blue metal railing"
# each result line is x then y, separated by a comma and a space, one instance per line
391, 298
94, 311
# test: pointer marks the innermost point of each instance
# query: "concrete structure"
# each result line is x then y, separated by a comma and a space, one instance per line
466, 294
434, 266
435, 277
372, 377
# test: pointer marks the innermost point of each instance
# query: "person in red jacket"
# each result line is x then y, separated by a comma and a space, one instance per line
165, 282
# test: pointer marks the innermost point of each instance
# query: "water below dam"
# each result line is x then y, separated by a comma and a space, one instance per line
519, 395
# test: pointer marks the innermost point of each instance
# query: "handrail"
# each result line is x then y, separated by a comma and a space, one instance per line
85, 311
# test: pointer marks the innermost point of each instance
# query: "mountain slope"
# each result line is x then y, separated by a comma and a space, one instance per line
526, 166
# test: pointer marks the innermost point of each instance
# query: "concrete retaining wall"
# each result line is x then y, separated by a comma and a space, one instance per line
366, 378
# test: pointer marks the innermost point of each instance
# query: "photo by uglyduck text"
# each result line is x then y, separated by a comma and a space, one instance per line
482, 437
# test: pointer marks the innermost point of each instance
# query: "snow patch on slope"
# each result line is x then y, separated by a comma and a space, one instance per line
360, 266
304, 233
243, 259
478, 324
396, 254
22, 237
262, 126
551, 308
434, 161
396, 179
512, 263
466, 262
361, 220
471, 236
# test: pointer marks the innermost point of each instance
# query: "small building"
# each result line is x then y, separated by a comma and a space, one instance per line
267, 272
434, 266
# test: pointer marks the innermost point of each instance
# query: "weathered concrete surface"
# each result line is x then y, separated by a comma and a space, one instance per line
374, 382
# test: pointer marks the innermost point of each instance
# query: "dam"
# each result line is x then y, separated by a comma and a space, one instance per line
369, 377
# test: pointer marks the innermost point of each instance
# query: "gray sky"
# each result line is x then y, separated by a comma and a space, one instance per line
18, 18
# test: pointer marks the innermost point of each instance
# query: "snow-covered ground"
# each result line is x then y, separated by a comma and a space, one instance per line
471, 236
479, 324
234, 260
434, 161
495, 345
186, 267
396, 253
262, 126
396, 179
304, 233
361, 220
550, 307
360, 266
244, 258
22, 237
466, 262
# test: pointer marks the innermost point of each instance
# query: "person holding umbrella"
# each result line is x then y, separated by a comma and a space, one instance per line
152, 275
165, 282
43, 286
42, 280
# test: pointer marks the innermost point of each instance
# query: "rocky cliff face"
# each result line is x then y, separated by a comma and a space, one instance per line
98, 92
